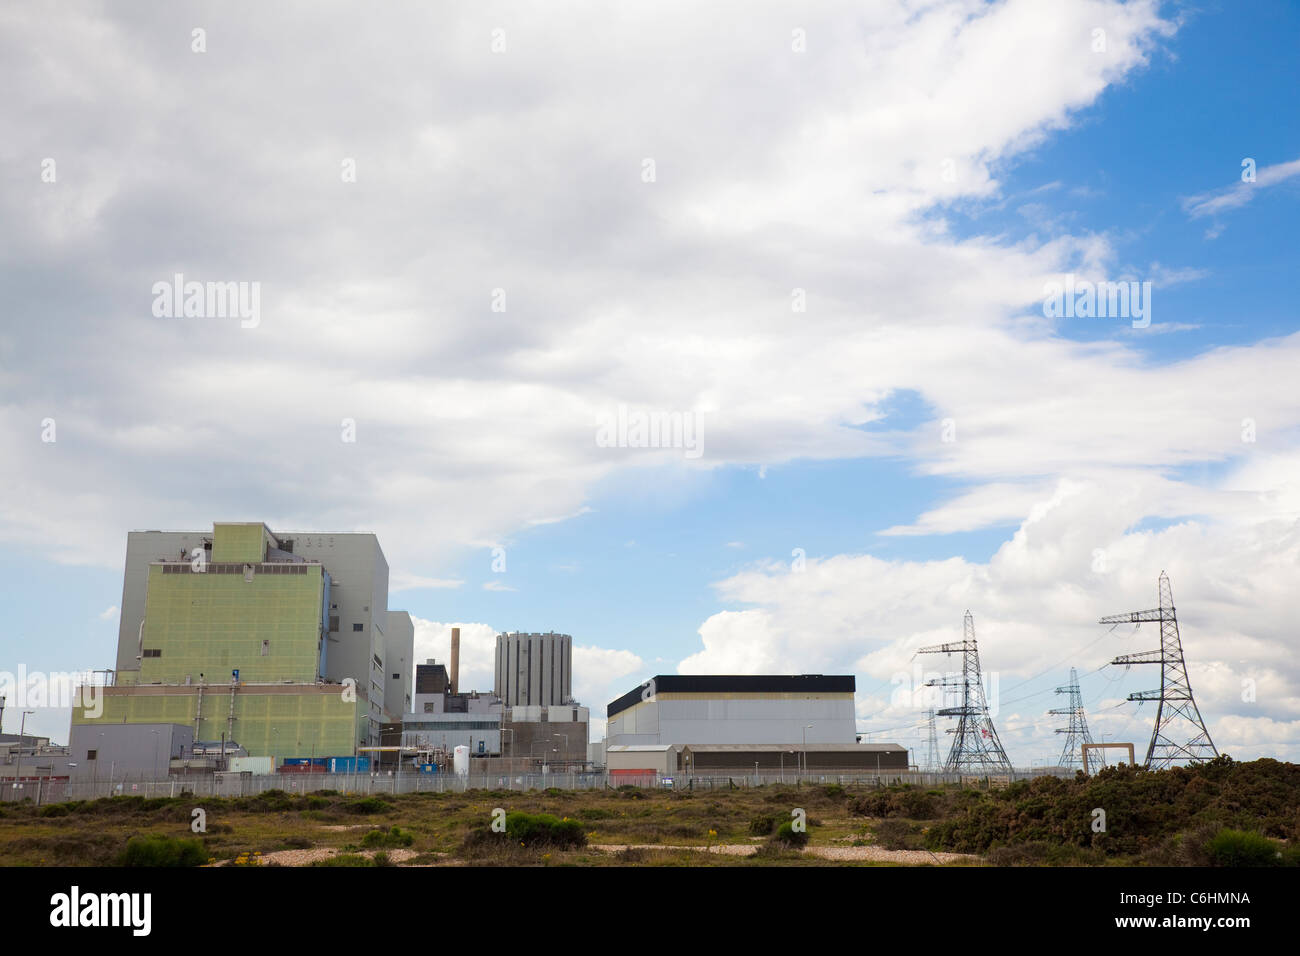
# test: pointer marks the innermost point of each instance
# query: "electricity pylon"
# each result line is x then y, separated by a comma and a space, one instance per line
975, 746
1179, 732
932, 757
1077, 733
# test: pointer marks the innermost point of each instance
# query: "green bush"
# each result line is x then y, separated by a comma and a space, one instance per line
762, 825
542, 829
788, 836
367, 805
395, 836
1239, 848
897, 835
158, 850
54, 810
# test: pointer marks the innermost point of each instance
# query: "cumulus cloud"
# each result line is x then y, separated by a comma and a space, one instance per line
501, 275
1075, 558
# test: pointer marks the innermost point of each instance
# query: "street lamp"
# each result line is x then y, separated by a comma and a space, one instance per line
18, 768
511, 732
783, 753
566, 744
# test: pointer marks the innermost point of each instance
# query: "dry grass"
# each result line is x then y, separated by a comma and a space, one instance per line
706, 828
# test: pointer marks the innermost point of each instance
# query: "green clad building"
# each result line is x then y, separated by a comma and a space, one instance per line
242, 635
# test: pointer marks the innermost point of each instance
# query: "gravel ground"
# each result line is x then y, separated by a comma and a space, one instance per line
306, 857
881, 855
873, 853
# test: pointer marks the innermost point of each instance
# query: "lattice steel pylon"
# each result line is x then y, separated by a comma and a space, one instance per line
932, 757
1178, 718
1077, 733
975, 746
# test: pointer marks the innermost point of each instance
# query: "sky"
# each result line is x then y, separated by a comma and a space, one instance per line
492, 243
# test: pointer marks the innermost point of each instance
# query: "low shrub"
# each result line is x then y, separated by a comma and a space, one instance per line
367, 805
158, 850
897, 835
762, 825
787, 836
1240, 848
394, 836
542, 829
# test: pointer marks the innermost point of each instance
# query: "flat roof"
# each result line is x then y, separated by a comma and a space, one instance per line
736, 684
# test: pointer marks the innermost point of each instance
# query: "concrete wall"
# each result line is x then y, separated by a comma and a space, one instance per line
282, 720
538, 739
358, 595
143, 548
400, 661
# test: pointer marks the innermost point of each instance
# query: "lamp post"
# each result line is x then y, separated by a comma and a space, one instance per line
18, 768
566, 745
511, 732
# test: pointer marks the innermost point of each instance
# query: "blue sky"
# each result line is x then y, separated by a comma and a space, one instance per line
821, 429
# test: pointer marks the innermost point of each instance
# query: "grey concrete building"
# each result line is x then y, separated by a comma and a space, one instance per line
534, 669
127, 751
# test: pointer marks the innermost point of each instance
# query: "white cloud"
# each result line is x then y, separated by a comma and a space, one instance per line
1073, 559
1239, 193
108, 613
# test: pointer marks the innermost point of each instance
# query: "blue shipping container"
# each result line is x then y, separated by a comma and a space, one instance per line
349, 764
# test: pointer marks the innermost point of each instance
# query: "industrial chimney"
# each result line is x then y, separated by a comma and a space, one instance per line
455, 660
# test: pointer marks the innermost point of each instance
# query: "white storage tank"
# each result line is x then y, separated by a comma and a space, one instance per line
460, 760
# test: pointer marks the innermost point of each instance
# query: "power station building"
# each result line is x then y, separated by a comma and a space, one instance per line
282, 642
742, 723
530, 719
534, 670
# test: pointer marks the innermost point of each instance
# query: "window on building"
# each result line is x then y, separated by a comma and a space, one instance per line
152, 652
266, 648
92, 754
358, 627
397, 677
334, 622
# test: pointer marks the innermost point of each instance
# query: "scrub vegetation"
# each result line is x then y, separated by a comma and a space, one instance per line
1218, 814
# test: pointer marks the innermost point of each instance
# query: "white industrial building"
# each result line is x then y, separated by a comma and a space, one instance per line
735, 709
726, 723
